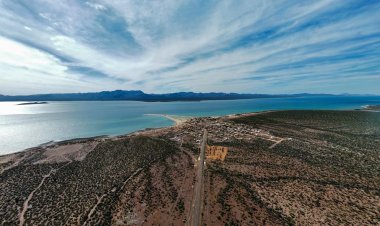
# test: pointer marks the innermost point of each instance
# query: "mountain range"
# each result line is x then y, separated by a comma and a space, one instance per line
138, 95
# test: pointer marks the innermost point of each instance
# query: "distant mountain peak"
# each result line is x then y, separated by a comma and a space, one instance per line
138, 95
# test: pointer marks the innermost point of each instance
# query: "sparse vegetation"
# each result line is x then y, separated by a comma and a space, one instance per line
282, 168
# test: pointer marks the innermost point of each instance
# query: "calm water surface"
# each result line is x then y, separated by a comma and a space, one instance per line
24, 126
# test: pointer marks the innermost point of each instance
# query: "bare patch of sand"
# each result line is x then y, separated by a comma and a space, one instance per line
7, 158
175, 118
10, 161
69, 152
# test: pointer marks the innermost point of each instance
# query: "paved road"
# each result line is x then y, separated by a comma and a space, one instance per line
197, 203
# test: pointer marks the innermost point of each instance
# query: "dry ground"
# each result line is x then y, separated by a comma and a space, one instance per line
282, 168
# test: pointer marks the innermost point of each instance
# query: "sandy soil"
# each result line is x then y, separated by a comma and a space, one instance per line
69, 152
178, 120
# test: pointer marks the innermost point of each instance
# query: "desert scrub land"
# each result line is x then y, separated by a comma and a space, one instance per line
76, 192
289, 167
324, 171
282, 168
160, 195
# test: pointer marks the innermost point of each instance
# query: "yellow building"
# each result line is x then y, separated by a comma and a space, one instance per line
216, 152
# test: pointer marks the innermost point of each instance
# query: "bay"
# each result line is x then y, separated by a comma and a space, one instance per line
25, 126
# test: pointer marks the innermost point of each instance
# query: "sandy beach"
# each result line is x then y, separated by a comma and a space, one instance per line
178, 120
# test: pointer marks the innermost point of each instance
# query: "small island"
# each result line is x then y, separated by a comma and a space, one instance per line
32, 103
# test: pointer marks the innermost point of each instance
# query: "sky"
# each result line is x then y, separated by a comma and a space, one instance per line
161, 46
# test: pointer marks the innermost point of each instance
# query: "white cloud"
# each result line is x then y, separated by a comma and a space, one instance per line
15, 54
22, 67
96, 6
176, 45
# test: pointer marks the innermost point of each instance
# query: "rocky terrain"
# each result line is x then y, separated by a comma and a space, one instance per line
282, 168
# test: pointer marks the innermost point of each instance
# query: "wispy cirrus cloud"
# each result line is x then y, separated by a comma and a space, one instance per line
261, 46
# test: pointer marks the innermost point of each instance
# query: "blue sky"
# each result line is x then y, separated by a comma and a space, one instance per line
253, 46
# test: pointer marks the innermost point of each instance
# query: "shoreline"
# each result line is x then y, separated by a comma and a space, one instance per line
178, 120
371, 108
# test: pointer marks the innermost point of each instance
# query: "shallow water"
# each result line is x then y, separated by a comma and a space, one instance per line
24, 126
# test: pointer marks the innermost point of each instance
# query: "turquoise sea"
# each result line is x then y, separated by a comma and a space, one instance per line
24, 126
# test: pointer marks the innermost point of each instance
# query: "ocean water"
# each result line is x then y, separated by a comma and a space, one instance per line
25, 126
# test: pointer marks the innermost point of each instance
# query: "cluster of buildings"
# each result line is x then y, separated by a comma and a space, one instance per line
219, 130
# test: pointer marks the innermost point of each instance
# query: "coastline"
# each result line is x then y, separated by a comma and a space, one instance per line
178, 120
372, 108
114, 118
